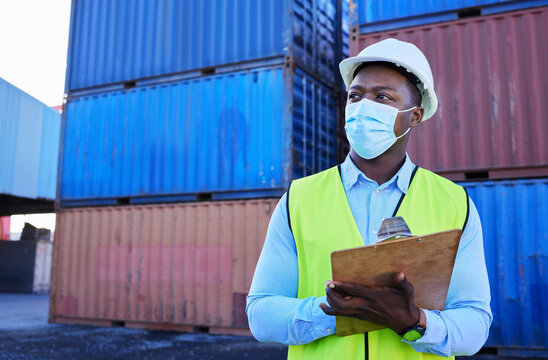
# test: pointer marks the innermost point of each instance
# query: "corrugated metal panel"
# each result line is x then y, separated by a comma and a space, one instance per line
187, 264
492, 86
42, 267
29, 145
5, 227
345, 24
234, 135
118, 41
314, 126
372, 16
515, 228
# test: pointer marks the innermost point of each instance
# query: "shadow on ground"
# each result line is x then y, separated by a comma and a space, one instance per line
85, 342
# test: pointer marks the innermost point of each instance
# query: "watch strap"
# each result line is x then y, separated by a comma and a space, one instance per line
413, 332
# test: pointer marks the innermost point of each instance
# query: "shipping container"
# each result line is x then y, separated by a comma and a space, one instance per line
237, 135
29, 145
345, 27
128, 40
515, 229
492, 87
370, 16
172, 266
5, 227
42, 267
25, 266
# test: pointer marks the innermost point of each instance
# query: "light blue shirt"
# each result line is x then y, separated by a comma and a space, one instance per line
276, 314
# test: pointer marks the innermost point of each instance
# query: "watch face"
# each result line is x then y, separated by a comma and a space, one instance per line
412, 335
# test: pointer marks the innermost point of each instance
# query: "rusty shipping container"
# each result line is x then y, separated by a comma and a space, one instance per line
490, 78
177, 266
373, 16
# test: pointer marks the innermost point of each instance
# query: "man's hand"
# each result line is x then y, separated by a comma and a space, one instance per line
392, 306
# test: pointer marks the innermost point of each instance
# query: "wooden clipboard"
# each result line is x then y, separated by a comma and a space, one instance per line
427, 262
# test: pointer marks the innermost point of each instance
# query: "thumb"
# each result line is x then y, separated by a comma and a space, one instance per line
400, 281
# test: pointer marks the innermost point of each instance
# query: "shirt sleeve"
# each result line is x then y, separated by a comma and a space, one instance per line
463, 326
274, 312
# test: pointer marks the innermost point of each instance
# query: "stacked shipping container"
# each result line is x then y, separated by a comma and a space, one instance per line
515, 228
170, 266
236, 135
178, 110
490, 80
29, 152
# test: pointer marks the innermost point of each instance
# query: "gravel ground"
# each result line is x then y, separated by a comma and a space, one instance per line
87, 342
26, 334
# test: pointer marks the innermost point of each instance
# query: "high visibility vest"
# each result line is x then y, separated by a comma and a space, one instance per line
322, 222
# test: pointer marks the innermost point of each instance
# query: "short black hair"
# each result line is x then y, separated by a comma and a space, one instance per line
412, 79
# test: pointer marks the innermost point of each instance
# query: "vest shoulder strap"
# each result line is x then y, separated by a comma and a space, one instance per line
433, 203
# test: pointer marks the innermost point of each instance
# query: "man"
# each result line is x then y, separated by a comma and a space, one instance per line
292, 300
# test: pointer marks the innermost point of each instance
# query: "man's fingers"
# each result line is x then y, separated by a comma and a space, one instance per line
398, 277
344, 288
333, 292
326, 309
400, 281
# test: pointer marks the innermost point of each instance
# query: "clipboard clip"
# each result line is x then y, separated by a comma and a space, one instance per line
393, 228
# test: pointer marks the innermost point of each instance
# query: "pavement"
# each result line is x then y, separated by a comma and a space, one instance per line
26, 334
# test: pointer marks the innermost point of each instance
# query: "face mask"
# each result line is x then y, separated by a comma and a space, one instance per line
370, 127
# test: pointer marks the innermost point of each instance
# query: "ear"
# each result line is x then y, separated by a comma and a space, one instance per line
416, 117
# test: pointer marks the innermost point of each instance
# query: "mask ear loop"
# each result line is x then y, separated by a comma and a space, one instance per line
409, 128
413, 108
402, 135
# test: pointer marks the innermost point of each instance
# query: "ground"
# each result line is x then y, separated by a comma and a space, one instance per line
26, 334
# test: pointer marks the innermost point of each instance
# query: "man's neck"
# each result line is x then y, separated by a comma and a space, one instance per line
380, 169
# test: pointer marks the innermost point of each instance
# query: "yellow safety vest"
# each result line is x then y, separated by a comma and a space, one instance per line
322, 222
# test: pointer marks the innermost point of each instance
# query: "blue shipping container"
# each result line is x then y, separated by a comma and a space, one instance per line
514, 217
127, 40
345, 27
236, 135
373, 16
29, 145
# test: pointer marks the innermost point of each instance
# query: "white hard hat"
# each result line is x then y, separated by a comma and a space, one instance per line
402, 54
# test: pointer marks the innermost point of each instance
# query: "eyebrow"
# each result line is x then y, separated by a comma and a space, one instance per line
377, 88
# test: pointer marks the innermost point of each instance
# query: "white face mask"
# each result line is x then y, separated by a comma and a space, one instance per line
370, 127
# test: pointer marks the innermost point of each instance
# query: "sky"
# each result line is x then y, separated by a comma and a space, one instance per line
33, 46
33, 57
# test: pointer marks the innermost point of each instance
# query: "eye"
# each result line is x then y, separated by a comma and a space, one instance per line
354, 97
384, 97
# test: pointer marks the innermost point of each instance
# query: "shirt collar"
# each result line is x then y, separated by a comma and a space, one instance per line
351, 174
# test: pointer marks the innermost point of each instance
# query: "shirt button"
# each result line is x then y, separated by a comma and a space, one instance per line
377, 191
374, 232
329, 331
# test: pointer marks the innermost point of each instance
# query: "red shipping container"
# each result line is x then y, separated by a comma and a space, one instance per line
491, 80
173, 266
5, 227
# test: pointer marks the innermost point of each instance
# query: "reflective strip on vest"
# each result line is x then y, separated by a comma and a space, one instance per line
322, 222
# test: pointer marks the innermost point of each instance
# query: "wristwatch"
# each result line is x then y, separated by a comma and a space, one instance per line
412, 333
